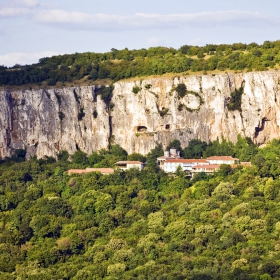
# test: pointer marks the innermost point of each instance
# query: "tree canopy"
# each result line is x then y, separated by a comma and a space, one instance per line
119, 64
141, 224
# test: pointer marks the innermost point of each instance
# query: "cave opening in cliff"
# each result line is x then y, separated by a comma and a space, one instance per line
141, 128
167, 126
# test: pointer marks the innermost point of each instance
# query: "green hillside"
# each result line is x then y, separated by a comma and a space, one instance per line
120, 64
141, 225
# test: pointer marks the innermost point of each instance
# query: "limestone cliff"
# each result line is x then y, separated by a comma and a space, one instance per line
48, 121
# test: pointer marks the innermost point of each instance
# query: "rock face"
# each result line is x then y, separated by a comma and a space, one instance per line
46, 122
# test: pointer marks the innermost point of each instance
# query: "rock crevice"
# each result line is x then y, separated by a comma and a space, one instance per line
46, 122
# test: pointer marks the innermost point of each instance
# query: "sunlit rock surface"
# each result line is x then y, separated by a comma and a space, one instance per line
45, 122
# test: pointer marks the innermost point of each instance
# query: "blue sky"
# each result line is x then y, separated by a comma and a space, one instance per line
31, 29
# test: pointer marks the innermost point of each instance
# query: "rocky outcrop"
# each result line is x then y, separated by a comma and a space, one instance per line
47, 121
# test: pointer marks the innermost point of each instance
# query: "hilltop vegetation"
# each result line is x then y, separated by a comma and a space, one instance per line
120, 64
141, 225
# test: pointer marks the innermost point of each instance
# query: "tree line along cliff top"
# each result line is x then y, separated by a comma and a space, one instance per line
89, 67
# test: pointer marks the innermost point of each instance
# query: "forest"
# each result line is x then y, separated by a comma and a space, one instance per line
121, 64
141, 224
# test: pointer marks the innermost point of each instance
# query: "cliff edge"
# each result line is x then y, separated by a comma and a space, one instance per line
141, 113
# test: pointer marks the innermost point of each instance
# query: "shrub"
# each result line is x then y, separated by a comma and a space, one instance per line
181, 90
106, 94
136, 89
200, 54
235, 100
180, 107
19, 155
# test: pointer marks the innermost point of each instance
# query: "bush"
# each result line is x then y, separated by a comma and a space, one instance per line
80, 157
63, 155
136, 89
180, 107
235, 100
181, 90
19, 155
137, 157
106, 93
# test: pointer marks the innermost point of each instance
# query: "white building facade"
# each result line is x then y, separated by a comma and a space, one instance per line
171, 165
171, 154
222, 160
125, 165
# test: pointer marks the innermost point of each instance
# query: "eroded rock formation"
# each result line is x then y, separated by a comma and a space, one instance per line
47, 121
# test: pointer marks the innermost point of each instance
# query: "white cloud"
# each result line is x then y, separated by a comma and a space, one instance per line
28, 3
10, 59
139, 21
106, 22
18, 8
14, 12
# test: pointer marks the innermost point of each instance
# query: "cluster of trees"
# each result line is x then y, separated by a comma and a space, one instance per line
244, 148
119, 64
140, 224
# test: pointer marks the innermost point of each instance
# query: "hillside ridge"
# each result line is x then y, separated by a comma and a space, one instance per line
138, 114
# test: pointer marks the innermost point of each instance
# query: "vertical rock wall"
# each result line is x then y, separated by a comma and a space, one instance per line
46, 122
157, 114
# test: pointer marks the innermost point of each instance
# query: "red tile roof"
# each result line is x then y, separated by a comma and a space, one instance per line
101, 170
129, 162
170, 157
221, 158
88, 170
188, 160
210, 166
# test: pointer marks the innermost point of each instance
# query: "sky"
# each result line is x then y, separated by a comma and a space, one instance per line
32, 29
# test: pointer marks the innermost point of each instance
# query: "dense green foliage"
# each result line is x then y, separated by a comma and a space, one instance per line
136, 89
235, 99
120, 64
181, 90
106, 94
244, 149
140, 225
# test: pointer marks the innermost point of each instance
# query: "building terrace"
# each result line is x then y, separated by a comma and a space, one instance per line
104, 171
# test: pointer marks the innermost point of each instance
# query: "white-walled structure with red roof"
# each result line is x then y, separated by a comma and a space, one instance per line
222, 160
171, 165
211, 168
125, 165
168, 155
